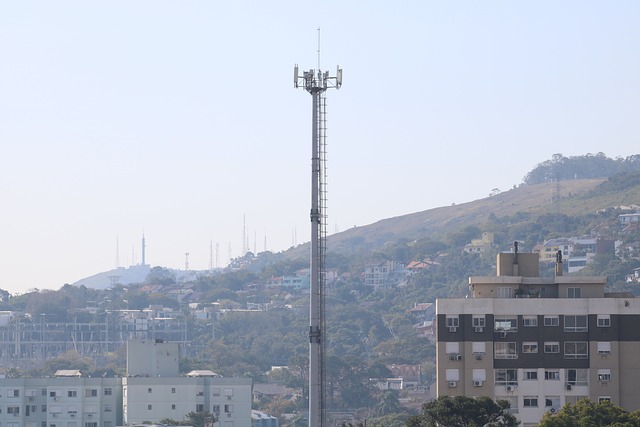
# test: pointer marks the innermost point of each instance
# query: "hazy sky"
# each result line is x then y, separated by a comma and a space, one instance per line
180, 117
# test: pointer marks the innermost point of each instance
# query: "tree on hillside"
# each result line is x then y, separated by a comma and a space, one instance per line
463, 411
586, 413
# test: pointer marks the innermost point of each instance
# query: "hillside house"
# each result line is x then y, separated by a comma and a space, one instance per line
384, 273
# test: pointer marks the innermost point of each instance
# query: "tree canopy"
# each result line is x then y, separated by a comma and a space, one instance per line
586, 413
463, 411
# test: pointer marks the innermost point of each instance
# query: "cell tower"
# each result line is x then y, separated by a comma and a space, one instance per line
316, 82
186, 261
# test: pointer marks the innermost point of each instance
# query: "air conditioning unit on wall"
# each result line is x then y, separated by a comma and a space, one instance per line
477, 383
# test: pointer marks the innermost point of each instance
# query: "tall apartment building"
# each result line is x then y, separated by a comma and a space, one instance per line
539, 342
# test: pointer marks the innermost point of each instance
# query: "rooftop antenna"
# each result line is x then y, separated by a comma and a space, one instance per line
316, 82
186, 261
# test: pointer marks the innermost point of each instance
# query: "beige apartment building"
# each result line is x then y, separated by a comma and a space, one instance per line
539, 342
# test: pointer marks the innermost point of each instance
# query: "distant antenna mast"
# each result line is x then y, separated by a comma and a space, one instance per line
316, 83
186, 261
245, 247
217, 255
144, 247
211, 254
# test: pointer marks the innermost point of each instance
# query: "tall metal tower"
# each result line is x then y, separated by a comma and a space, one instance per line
316, 83
144, 247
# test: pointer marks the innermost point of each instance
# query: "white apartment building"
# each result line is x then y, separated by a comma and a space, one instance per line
151, 391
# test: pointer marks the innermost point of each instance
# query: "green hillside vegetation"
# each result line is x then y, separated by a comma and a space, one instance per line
368, 328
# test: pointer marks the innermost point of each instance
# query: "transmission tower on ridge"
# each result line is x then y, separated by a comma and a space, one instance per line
316, 82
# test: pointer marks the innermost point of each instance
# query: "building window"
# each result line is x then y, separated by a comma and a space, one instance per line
577, 377
478, 321
107, 408
215, 391
509, 324
91, 424
574, 292
173, 390
551, 321
529, 347
604, 375
92, 392
200, 408
173, 407
13, 410
576, 350
552, 347
604, 321
505, 350
149, 407
575, 324
215, 409
452, 348
228, 408
552, 401
451, 375
552, 374
529, 321
149, 390
72, 393
13, 393
604, 347
453, 321
505, 292
506, 377
531, 375
43, 408
478, 347
108, 391
530, 402
604, 399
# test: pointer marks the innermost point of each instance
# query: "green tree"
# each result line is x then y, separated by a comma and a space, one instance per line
586, 413
463, 411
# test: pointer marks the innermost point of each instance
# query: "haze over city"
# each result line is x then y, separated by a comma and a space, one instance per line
180, 119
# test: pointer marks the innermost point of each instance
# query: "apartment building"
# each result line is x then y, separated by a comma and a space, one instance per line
152, 391
539, 342
60, 402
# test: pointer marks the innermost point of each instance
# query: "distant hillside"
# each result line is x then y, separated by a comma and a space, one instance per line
574, 197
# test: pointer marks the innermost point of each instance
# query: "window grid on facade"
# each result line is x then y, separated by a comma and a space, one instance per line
552, 374
506, 377
506, 324
531, 375
577, 377
604, 320
551, 321
505, 350
529, 347
478, 321
574, 292
452, 321
530, 402
575, 324
552, 347
529, 321
576, 350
